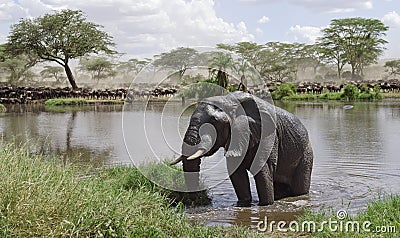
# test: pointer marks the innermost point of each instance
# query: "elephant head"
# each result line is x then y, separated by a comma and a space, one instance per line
214, 124
208, 130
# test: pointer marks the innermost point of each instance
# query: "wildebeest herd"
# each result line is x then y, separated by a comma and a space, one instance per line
23, 95
386, 86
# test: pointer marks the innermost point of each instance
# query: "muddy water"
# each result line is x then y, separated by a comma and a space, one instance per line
357, 150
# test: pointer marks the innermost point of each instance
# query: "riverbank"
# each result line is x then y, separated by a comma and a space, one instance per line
380, 219
41, 197
288, 91
2, 108
79, 101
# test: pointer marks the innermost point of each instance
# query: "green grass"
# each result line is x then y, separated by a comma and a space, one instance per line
287, 91
391, 95
39, 197
382, 214
333, 96
79, 101
2, 108
131, 178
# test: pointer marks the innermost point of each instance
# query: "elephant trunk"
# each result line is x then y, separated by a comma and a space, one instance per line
192, 174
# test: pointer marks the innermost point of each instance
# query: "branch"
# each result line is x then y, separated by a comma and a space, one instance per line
56, 59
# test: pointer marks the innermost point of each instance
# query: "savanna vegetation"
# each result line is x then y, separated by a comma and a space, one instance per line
347, 49
288, 91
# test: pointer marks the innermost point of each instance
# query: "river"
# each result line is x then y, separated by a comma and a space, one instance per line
356, 150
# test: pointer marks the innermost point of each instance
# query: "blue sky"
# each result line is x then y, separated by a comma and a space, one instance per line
142, 28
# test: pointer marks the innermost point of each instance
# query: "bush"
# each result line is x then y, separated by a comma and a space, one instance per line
2, 108
283, 90
350, 91
364, 88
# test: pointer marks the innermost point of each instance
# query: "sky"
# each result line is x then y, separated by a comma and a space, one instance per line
143, 28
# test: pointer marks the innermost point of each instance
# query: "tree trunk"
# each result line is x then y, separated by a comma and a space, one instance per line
70, 77
222, 79
339, 71
353, 71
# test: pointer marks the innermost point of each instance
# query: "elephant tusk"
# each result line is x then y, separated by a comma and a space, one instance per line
177, 160
196, 155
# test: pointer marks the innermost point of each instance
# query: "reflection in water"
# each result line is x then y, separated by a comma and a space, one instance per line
64, 131
356, 150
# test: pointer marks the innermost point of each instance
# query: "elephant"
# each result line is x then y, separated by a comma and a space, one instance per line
258, 137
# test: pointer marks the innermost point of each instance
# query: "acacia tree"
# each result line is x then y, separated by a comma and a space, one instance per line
393, 67
356, 41
99, 67
59, 37
132, 66
53, 72
179, 59
16, 65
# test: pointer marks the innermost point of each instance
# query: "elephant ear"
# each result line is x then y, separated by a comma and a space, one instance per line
252, 120
240, 137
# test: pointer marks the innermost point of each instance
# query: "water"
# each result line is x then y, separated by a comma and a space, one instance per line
356, 150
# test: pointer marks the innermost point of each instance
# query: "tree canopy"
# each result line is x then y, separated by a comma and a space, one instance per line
393, 67
179, 59
59, 37
99, 67
355, 41
53, 72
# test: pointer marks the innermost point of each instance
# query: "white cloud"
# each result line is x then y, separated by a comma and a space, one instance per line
259, 31
324, 5
263, 19
9, 10
147, 27
307, 34
392, 19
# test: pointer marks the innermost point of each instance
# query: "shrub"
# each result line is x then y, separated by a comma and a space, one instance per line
364, 88
350, 91
284, 90
2, 108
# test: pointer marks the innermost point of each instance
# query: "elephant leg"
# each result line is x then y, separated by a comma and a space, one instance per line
240, 181
302, 176
281, 190
265, 186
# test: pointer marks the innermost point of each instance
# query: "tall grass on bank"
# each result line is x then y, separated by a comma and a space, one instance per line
287, 91
381, 219
41, 198
2, 108
78, 101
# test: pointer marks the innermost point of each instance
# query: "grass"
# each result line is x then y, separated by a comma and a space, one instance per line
79, 101
332, 96
391, 95
350, 92
383, 214
2, 108
39, 197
